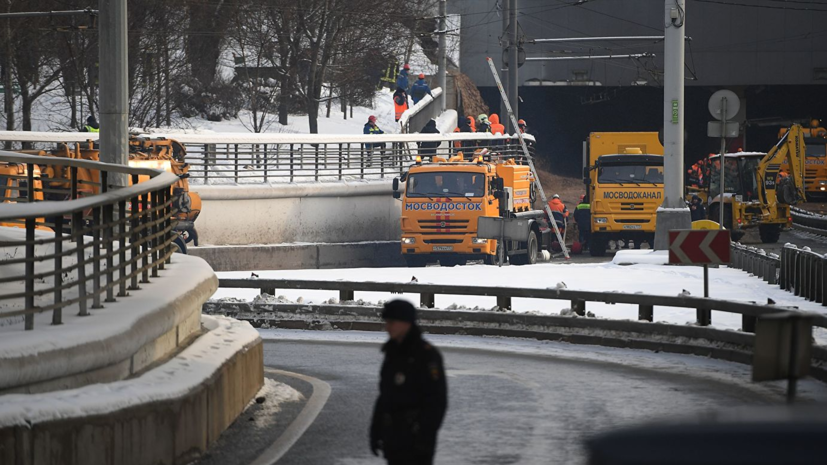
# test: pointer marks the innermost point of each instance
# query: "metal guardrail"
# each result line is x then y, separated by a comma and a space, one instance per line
248, 158
504, 295
287, 158
78, 248
756, 261
809, 221
799, 271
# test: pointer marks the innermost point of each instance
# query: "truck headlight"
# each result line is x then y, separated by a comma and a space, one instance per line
601, 220
823, 183
408, 240
479, 240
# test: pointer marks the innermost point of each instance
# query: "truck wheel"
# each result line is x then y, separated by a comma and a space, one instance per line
597, 245
179, 245
415, 261
532, 249
770, 233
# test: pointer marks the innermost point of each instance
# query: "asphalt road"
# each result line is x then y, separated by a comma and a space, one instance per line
504, 408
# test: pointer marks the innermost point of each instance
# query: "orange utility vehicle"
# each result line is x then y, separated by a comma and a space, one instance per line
443, 200
815, 160
162, 154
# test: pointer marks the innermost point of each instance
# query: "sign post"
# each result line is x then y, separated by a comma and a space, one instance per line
700, 247
723, 105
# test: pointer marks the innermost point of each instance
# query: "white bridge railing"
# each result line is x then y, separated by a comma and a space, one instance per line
248, 158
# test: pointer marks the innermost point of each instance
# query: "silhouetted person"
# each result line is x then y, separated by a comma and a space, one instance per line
413, 394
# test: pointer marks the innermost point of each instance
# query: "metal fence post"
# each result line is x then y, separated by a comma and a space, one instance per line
122, 249
57, 313
646, 312
579, 306
96, 258
77, 226
29, 301
426, 299
110, 259
704, 317
504, 302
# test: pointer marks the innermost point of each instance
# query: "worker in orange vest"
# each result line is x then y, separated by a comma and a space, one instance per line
496, 127
400, 103
559, 211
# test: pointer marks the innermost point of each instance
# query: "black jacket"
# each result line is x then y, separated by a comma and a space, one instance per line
429, 148
412, 399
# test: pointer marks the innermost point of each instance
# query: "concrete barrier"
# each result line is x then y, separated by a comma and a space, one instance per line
301, 256
331, 212
115, 342
130, 425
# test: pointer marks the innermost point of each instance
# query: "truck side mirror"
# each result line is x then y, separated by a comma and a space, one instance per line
397, 195
586, 172
396, 184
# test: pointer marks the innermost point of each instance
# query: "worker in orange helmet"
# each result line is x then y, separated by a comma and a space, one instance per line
420, 89
559, 212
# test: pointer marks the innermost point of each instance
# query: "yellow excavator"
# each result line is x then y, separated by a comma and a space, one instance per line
757, 192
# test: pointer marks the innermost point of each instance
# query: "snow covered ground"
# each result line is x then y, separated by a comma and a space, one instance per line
725, 283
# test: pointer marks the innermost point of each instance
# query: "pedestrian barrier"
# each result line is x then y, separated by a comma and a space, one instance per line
798, 270
273, 158
756, 261
61, 253
504, 295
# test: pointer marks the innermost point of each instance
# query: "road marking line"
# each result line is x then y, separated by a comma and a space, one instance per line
317, 401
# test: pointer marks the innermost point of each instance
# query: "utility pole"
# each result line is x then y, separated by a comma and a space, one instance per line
443, 59
513, 57
114, 97
504, 9
673, 213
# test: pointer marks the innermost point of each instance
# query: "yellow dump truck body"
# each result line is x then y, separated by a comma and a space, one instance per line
624, 178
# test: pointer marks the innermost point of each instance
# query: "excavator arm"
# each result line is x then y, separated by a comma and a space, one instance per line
788, 189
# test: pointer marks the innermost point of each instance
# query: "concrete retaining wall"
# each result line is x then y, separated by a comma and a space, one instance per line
115, 342
169, 432
308, 212
301, 256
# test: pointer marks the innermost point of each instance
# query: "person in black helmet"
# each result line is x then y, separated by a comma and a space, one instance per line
413, 394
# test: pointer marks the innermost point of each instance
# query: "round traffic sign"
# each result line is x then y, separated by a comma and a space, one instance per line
716, 104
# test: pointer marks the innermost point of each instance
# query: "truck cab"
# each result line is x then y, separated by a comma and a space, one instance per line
623, 174
442, 201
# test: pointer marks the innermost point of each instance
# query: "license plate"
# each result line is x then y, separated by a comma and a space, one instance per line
443, 248
632, 226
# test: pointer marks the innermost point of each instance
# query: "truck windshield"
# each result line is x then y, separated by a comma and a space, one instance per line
816, 146
623, 173
446, 184
739, 177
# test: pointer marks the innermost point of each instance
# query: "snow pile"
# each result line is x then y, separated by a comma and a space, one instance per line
641, 257
181, 375
725, 283
272, 396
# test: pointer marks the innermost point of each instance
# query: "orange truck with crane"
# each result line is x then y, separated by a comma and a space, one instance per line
144, 152
443, 200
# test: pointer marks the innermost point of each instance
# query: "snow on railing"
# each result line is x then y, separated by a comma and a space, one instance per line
226, 158
67, 239
414, 118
